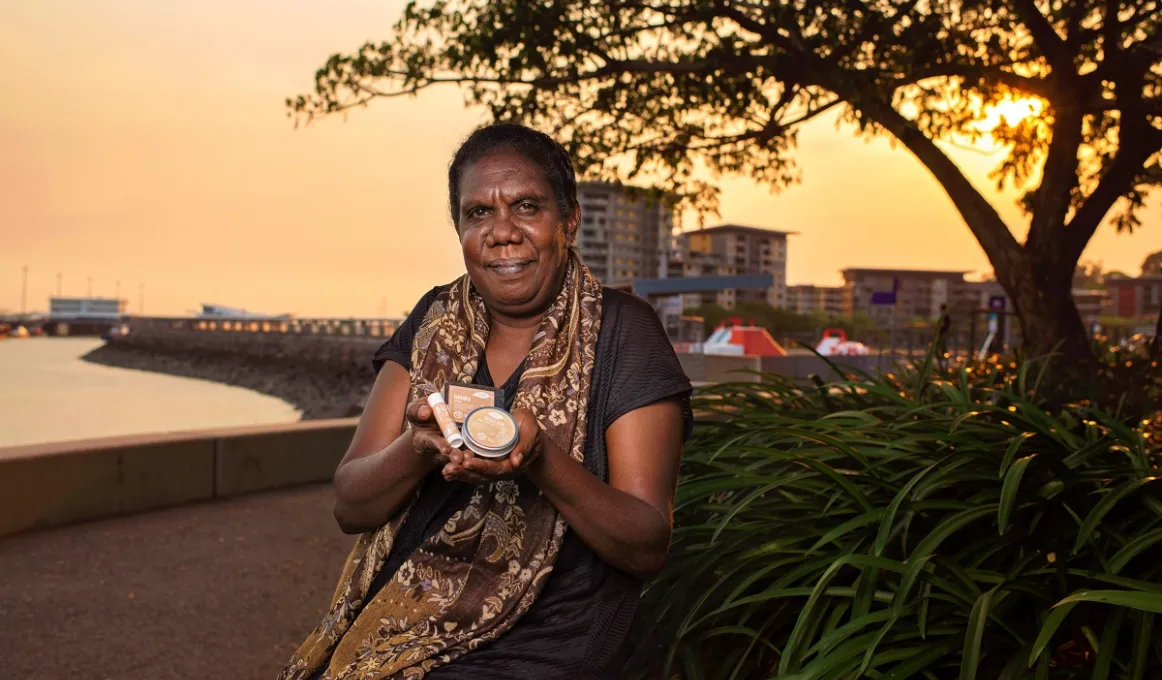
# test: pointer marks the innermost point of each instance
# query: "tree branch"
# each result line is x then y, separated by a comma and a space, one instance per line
981, 217
1047, 39
1114, 184
1052, 199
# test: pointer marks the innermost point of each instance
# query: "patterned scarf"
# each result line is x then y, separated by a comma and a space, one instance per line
473, 579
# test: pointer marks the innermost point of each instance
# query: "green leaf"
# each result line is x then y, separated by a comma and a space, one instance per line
974, 634
889, 518
1052, 623
1134, 599
1011, 452
1131, 549
921, 662
1103, 507
1108, 644
1009, 491
1143, 627
949, 527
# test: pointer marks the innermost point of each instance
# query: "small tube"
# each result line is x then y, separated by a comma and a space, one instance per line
444, 420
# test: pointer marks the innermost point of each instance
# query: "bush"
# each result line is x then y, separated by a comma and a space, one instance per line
922, 526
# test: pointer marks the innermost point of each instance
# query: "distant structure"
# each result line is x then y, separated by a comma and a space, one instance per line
1134, 298
83, 316
732, 250
811, 299
623, 237
918, 293
224, 312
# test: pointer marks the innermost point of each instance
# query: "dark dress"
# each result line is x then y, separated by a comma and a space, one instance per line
577, 626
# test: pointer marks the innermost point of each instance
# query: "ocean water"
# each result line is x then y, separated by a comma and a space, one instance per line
48, 394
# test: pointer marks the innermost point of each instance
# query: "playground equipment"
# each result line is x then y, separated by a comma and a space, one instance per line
733, 338
836, 344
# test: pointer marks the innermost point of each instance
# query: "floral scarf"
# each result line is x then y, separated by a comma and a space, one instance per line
473, 579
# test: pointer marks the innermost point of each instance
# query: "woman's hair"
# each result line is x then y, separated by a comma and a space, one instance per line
536, 146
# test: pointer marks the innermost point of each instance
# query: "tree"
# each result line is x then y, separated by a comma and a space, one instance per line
650, 88
1152, 265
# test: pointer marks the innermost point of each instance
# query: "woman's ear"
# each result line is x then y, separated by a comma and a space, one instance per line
571, 222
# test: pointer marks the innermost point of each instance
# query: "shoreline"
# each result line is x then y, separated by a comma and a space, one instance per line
315, 393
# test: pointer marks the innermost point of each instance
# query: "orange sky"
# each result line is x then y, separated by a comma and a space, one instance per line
147, 142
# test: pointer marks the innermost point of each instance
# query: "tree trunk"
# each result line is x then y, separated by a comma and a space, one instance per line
1050, 323
1156, 343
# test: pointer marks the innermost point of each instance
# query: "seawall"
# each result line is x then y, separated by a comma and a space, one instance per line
323, 376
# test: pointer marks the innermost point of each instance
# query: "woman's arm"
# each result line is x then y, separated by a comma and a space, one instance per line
382, 468
628, 521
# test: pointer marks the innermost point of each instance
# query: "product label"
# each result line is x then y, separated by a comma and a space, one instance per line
493, 428
464, 399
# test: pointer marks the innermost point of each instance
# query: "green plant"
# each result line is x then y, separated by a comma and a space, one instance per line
920, 525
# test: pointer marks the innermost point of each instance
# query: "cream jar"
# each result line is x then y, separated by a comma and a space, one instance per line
490, 432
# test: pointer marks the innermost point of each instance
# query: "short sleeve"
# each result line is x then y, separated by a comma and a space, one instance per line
399, 347
644, 368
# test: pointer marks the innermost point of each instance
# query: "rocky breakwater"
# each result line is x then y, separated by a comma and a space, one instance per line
325, 376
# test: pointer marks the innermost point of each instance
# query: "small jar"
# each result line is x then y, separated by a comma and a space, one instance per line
490, 432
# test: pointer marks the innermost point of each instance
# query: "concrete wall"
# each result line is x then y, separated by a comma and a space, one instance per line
51, 484
709, 368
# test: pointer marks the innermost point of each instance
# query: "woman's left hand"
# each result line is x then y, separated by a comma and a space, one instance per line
473, 469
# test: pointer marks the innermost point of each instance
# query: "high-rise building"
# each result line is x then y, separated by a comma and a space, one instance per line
810, 299
621, 236
919, 293
733, 250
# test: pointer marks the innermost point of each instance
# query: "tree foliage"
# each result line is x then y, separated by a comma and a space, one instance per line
1152, 265
653, 89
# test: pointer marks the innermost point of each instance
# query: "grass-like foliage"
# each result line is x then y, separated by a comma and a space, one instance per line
930, 524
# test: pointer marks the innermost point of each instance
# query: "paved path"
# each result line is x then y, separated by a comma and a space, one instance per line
217, 590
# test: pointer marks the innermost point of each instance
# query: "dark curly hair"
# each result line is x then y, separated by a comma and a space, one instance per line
536, 146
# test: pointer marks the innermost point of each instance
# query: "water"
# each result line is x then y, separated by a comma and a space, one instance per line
48, 394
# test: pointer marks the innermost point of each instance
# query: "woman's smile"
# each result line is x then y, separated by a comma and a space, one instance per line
511, 267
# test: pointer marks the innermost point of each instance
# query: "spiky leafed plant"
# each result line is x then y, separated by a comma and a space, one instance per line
910, 527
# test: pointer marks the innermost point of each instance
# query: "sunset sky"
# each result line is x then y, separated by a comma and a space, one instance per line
147, 142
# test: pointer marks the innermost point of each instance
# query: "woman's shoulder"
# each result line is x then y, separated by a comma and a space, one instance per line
622, 307
421, 307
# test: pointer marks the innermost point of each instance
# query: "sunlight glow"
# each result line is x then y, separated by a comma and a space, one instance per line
1009, 111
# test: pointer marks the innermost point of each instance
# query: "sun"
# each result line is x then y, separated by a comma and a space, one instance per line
1010, 111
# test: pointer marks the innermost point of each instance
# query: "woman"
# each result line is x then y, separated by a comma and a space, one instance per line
530, 567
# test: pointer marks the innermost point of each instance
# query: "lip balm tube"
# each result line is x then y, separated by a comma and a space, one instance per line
444, 420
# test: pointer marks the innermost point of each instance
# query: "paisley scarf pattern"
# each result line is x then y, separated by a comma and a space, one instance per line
472, 580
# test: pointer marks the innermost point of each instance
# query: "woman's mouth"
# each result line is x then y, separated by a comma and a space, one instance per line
509, 267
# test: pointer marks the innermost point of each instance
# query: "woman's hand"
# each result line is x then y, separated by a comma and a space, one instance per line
428, 440
465, 466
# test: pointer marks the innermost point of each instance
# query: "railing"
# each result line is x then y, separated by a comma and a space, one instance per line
372, 328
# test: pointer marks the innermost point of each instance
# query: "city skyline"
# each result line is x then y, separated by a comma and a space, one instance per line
149, 144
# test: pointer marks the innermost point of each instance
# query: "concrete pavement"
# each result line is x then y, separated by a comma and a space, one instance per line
214, 590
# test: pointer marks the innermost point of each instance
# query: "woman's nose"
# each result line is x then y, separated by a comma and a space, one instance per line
504, 230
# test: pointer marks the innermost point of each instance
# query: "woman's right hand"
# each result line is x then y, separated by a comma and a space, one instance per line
428, 440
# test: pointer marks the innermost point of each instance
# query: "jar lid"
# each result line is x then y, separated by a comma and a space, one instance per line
491, 428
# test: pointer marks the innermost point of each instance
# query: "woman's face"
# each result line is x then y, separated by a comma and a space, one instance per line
515, 240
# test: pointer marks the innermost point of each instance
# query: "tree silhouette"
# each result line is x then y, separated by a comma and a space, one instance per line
650, 88
1152, 265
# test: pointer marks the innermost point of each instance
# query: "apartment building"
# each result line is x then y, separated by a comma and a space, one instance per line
1132, 298
810, 299
732, 250
622, 236
919, 292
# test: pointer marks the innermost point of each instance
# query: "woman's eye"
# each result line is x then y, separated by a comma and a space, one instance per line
476, 212
527, 206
